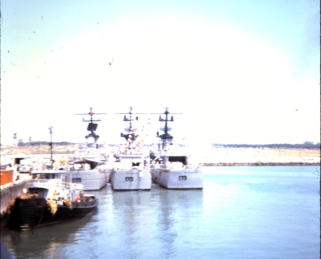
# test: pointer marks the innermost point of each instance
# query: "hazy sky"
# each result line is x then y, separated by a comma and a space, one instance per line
240, 71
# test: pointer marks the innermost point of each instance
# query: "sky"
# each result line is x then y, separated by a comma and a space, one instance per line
238, 71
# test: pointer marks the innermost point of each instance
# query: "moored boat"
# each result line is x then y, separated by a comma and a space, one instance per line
90, 163
131, 170
49, 198
131, 173
174, 172
172, 169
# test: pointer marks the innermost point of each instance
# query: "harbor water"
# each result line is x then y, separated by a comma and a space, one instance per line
242, 212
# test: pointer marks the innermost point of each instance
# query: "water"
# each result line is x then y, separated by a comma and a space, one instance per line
242, 212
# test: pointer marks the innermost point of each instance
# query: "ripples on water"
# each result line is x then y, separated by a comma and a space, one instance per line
242, 212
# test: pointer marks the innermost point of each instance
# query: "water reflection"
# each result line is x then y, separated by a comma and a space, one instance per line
176, 212
165, 223
153, 219
236, 215
43, 241
132, 216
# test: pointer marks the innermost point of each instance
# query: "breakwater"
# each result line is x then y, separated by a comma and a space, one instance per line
261, 164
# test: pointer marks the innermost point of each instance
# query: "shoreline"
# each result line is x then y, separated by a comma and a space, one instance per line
215, 156
260, 164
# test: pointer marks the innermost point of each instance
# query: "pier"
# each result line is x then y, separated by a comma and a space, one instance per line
9, 192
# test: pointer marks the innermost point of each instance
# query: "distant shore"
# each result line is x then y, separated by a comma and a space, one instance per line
259, 156
215, 155
262, 164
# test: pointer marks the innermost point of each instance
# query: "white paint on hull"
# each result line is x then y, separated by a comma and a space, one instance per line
92, 180
180, 179
132, 179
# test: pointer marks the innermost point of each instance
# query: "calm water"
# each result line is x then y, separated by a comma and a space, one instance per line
242, 212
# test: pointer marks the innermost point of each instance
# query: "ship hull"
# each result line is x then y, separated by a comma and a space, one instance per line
91, 180
31, 212
180, 179
155, 175
129, 180
28, 213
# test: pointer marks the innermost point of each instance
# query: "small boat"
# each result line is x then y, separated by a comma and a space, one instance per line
49, 198
172, 169
131, 170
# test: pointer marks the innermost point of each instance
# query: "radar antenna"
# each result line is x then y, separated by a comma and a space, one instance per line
92, 126
130, 136
166, 137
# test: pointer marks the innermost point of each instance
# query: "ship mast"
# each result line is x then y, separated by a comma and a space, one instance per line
130, 136
166, 137
92, 126
50, 145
